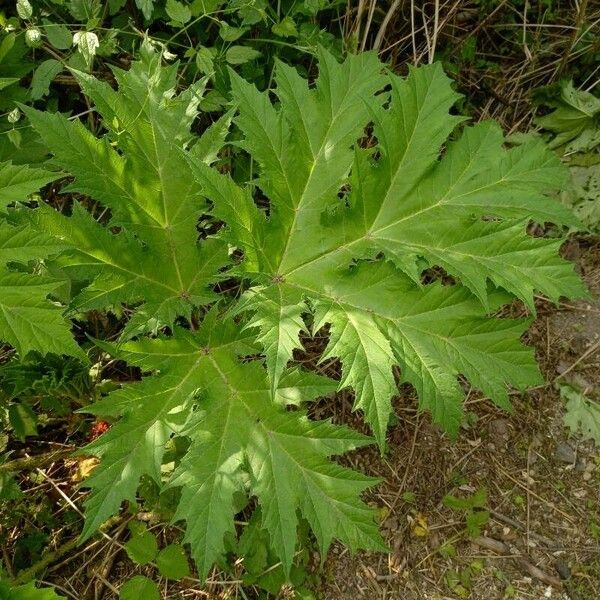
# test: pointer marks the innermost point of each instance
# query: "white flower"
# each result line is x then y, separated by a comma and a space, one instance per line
169, 55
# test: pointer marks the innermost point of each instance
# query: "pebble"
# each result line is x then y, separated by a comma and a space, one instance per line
565, 453
563, 569
499, 428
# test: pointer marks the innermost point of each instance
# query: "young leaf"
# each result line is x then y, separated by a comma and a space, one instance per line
142, 546
87, 43
582, 415
24, 9
172, 562
139, 587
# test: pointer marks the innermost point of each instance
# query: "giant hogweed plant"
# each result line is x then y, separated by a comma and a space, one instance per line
331, 230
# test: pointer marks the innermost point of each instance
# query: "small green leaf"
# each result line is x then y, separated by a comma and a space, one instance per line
14, 135
213, 101
9, 490
24, 9
23, 420
178, 11
205, 60
312, 7
238, 55
575, 121
6, 81
7, 45
172, 562
409, 497
84, 10
146, 6
285, 28
582, 414
231, 34
475, 521
139, 587
142, 547
43, 77
447, 550
58, 35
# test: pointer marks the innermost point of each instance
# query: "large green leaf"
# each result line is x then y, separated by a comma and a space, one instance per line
149, 252
351, 230
369, 225
29, 321
19, 181
238, 433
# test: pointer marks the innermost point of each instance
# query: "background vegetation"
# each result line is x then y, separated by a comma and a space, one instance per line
513, 509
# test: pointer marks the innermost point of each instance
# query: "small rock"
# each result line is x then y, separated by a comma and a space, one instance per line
562, 366
565, 453
499, 429
579, 343
563, 569
580, 381
571, 250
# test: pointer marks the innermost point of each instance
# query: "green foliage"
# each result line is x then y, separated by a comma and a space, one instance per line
575, 120
582, 414
342, 224
319, 253
172, 562
81, 35
461, 581
27, 592
54, 380
574, 126
262, 566
473, 508
139, 587
28, 320
142, 546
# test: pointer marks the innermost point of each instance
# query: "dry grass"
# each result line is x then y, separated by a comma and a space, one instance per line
499, 50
